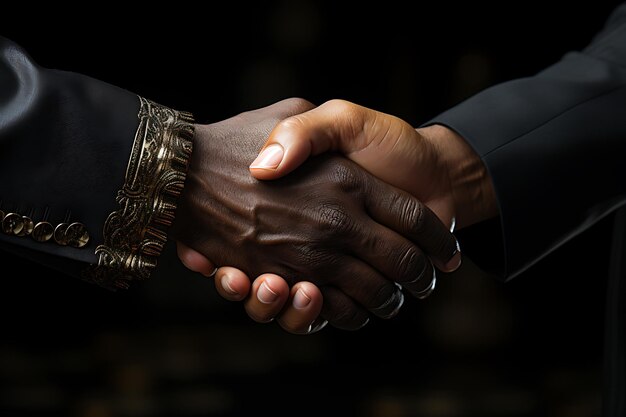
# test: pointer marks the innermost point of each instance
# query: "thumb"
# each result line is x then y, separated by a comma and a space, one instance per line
336, 125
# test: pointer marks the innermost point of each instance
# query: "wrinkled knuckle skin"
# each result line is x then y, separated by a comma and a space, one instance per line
411, 266
335, 220
316, 261
413, 215
309, 254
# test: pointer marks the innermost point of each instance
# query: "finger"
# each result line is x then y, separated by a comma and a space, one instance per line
341, 311
335, 125
421, 286
269, 294
194, 260
403, 213
302, 308
424, 292
232, 284
396, 258
367, 287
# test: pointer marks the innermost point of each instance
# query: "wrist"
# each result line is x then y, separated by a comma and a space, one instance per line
470, 187
197, 180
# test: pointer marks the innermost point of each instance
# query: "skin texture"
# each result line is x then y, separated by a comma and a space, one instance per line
432, 163
328, 223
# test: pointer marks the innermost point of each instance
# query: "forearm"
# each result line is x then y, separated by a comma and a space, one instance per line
553, 145
95, 168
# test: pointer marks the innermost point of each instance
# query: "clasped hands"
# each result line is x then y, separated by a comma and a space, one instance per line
343, 210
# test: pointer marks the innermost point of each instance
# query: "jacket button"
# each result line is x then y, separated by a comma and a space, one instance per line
77, 235
29, 225
43, 232
59, 234
12, 224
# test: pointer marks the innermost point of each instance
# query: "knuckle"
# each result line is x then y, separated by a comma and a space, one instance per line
344, 108
345, 176
334, 218
352, 115
413, 216
411, 265
315, 258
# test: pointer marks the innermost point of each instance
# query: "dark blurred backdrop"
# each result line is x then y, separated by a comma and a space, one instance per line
172, 347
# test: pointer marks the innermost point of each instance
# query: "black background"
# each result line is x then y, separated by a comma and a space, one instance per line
172, 347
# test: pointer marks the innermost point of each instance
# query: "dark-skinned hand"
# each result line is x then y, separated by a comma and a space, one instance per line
329, 222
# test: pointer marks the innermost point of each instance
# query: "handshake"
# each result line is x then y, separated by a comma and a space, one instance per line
343, 210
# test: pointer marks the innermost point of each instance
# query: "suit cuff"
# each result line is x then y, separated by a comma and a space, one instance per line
136, 232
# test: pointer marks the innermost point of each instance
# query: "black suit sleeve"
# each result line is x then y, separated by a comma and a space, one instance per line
554, 145
89, 172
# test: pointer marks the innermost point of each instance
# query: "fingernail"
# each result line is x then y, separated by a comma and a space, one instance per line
270, 158
226, 285
301, 299
265, 294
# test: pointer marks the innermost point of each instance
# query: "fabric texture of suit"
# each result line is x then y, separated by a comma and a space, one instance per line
67, 144
554, 145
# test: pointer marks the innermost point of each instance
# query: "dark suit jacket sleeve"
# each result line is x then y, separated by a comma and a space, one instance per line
554, 145
82, 161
